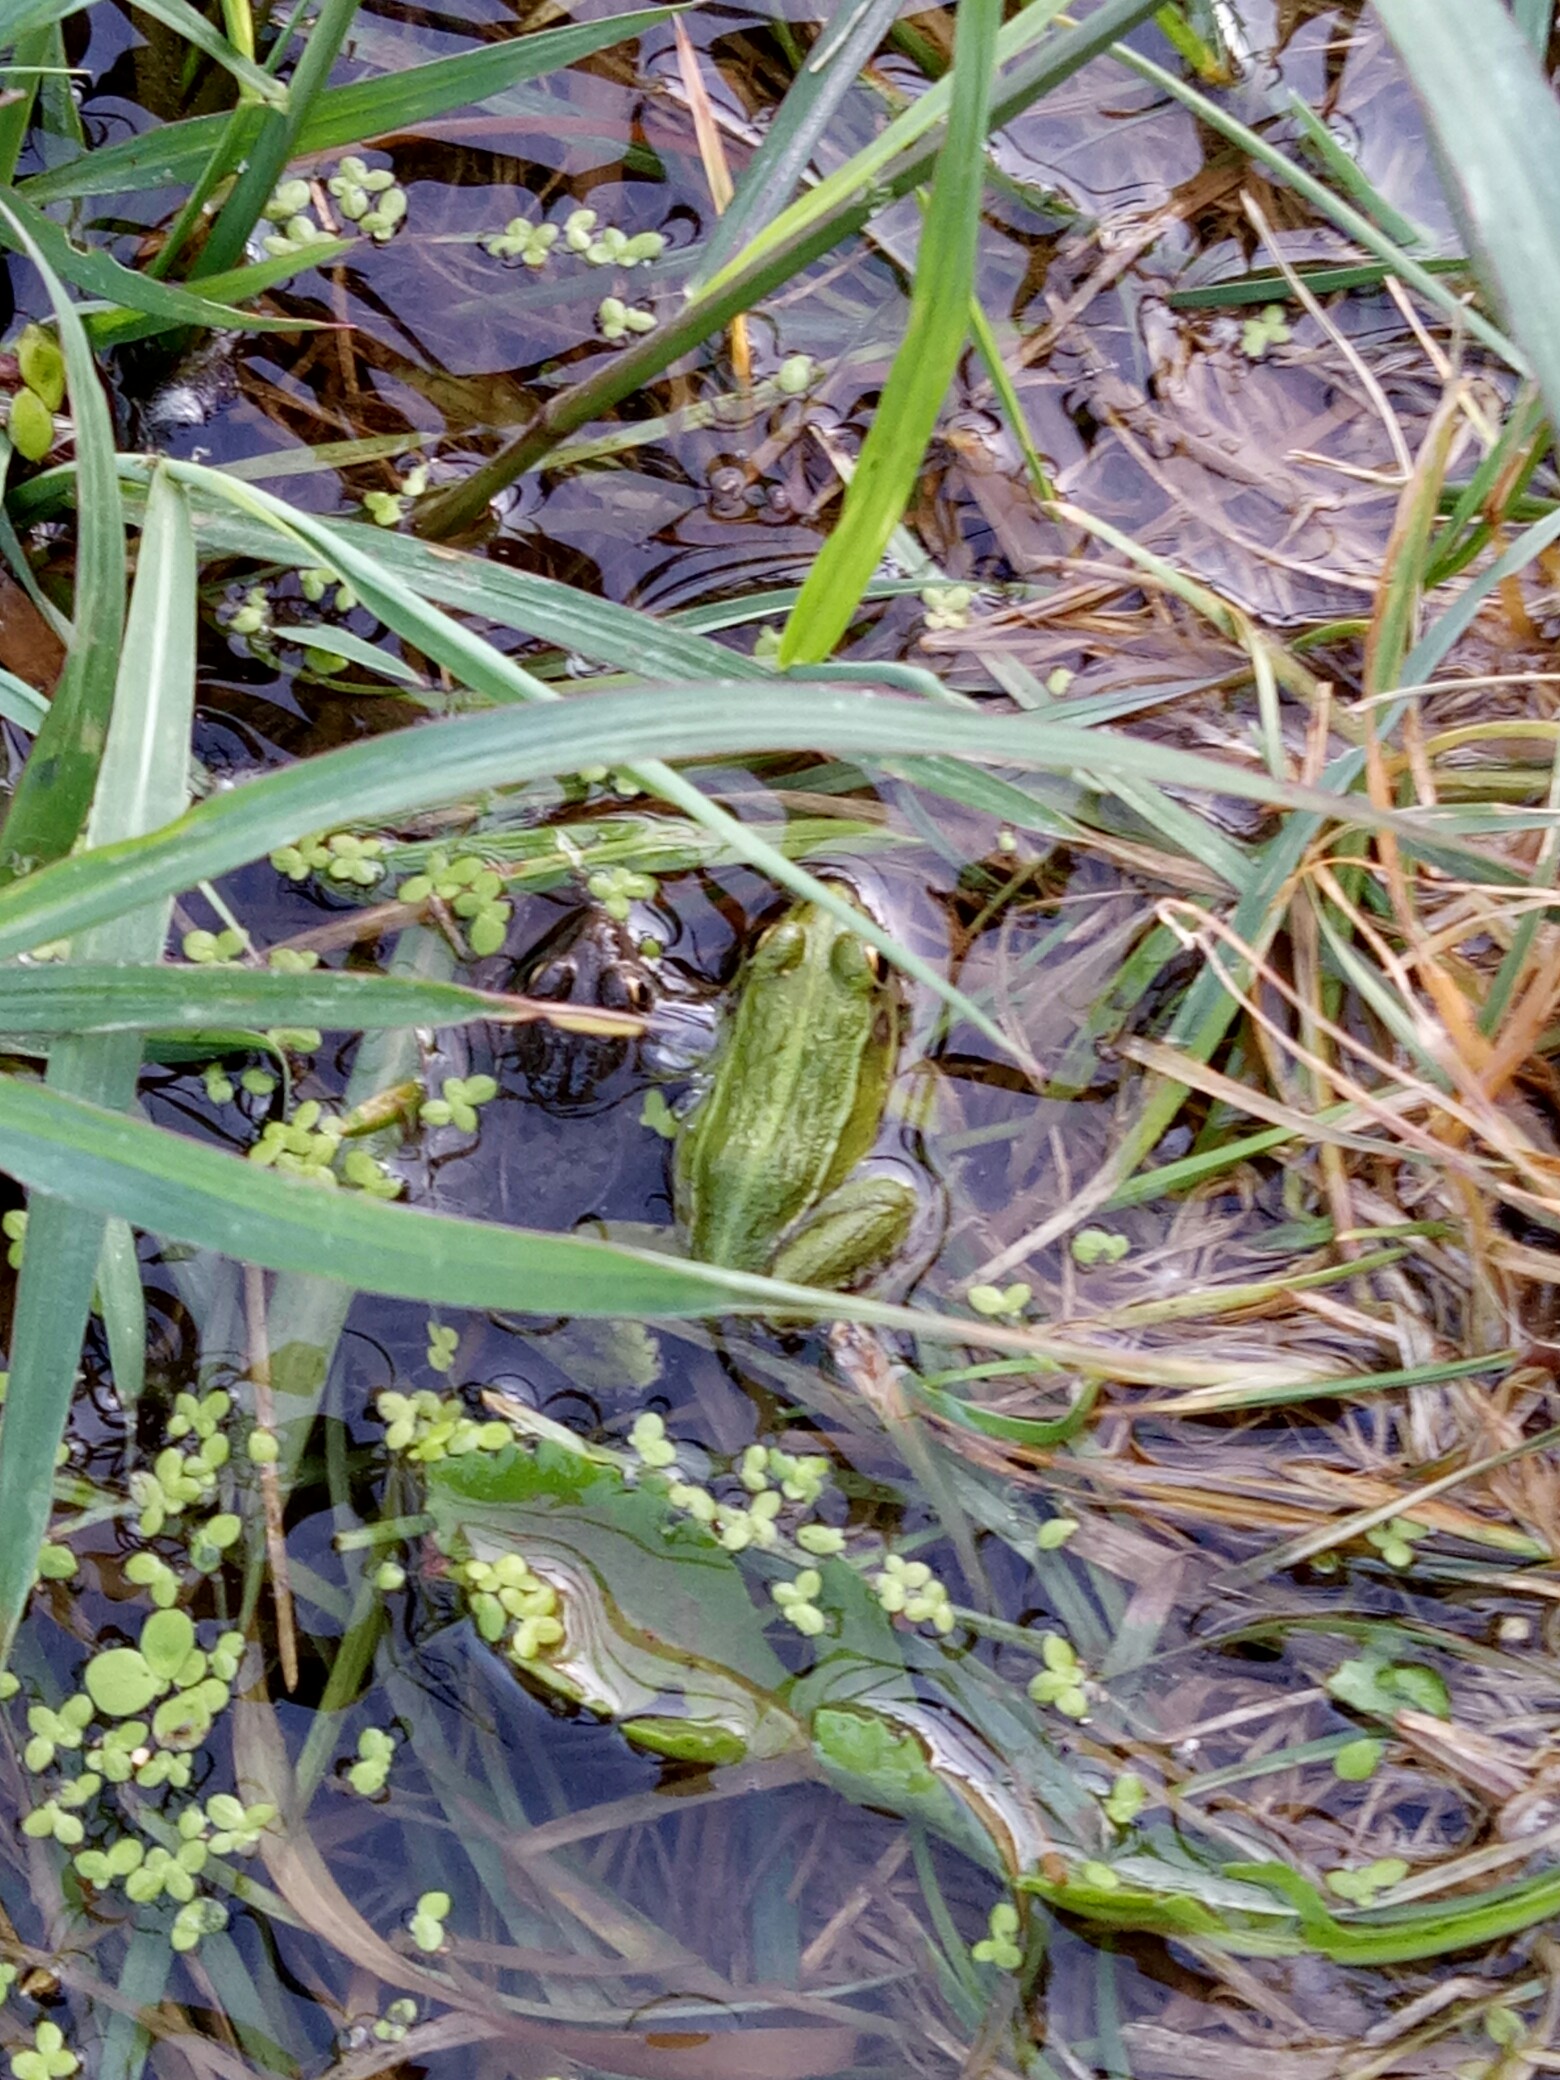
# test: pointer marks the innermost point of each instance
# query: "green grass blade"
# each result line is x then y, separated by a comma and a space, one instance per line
892, 454
789, 142
77, 997
20, 18
143, 780
121, 1302
1499, 157
160, 306
343, 115
109, 329
50, 803
187, 1191
1536, 20
277, 140
578, 622
473, 753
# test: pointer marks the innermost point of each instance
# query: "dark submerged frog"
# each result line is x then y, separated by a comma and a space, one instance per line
589, 960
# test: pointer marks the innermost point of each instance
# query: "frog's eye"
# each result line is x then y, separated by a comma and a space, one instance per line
633, 992
555, 979
781, 947
855, 964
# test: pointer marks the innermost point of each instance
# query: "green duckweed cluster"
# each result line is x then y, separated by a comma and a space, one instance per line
368, 197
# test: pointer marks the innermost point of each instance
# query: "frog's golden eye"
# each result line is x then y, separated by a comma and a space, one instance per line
781, 947
637, 993
873, 959
555, 978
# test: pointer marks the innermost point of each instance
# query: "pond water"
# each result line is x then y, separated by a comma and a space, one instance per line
621, 1904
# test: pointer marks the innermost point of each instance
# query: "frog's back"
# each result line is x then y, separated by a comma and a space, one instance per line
796, 1094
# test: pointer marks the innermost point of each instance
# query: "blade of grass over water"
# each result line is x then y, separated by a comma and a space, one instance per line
50, 802
75, 997
470, 753
143, 781
1500, 156
896, 442
186, 1191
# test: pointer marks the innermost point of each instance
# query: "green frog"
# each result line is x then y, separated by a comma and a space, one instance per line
766, 1169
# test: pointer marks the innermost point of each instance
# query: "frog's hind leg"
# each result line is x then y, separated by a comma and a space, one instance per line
850, 1232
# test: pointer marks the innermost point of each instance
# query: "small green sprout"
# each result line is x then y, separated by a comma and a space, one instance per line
472, 890
50, 1819
105, 1867
796, 374
237, 1827
392, 2026
354, 185
207, 948
797, 1599
618, 319
56, 1563
13, 1226
994, 1301
456, 1105
1360, 1887
823, 1541
197, 1918
909, 1589
649, 1442
428, 1427
658, 1116
364, 1172
287, 199
1128, 1796
1268, 328
149, 1571
617, 889
1060, 1683
427, 1923
1357, 1760
1395, 1540
1055, 1532
947, 606
49, 2059
1505, 2027
296, 235
999, 1947
220, 1088
522, 240
696, 1502
1091, 1246
369, 1774
389, 1576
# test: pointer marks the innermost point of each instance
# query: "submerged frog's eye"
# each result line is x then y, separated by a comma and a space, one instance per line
781, 947
631, 989
555, 979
